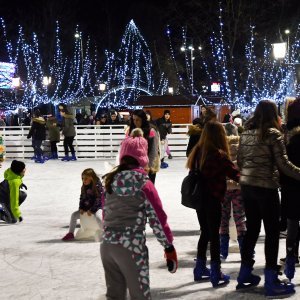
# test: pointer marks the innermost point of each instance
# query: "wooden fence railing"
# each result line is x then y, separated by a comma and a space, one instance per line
90, 141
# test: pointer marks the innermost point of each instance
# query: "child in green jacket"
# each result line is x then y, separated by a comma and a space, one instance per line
11, 196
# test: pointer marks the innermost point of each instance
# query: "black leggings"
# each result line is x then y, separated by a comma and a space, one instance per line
261, 204
53, 147
68, 143
209, 217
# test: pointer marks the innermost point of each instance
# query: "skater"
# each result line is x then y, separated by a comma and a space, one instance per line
290, 190
69, 133
54, 135
261, 154
130, 200
139, 120
211, 157
232, 201
11, 197
195, 129
38, 134
90, 201
164, 126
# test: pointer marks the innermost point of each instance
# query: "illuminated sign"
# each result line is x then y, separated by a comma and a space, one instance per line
215, 87
7, 71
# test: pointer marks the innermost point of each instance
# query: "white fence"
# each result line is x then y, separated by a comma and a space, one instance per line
90, 141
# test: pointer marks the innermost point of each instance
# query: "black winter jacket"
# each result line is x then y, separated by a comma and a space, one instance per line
290, 188
38, 129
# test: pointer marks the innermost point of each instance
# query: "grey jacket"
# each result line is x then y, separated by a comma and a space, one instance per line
259, 161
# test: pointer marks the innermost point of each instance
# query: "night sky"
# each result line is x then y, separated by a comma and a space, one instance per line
105, 20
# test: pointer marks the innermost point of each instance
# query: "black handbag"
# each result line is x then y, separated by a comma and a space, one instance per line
193, 189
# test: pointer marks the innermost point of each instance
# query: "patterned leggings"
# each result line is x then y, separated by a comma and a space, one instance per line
234, 197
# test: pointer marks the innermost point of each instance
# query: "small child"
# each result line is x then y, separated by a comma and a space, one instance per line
130, 201
232, 198
90, 201
11, 197
54, 135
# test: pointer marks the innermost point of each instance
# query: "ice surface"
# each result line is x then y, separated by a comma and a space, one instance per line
36, 264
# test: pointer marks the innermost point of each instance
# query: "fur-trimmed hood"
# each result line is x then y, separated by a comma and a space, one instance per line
68, 116
40, 120
292, 133
233, 139
194, 130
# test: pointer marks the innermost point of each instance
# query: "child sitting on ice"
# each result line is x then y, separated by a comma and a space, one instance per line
90, 201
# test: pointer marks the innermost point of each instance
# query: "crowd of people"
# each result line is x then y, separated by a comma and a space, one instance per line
242, 167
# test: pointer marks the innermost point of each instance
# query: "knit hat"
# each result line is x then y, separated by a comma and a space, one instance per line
167, 111
135, 146
17, 166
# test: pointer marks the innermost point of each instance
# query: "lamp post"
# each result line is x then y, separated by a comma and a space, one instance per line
191, 49
287, 32
78, 35
279, 50
102, 87
46, 82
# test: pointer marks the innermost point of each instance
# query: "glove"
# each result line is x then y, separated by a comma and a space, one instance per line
171, 257
20, 219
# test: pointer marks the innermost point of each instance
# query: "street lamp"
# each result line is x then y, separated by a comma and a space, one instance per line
287, 32
102, 87
279, 50
171, 90
78, 36
16, 82
191, 49
47, 80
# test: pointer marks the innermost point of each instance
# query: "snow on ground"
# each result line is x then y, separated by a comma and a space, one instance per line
36, 264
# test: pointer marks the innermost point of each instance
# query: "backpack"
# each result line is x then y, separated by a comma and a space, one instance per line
7, 215
4, 192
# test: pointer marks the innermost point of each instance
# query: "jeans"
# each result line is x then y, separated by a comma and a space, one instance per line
68, 143
209, 217
36, 144
261, 204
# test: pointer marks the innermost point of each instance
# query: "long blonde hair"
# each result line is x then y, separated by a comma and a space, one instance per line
95, 179
213, 139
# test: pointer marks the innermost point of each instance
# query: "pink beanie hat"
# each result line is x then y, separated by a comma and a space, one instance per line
135, 146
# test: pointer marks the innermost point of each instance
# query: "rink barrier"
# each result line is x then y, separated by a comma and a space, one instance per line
91, 141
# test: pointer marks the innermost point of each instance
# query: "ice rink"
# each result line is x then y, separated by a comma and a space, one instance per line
36, 264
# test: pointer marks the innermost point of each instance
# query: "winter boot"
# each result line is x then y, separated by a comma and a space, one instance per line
201, 273
39, 159
164, 165
246, 279
53, 155
224, 245
66, 158
73, 157
289, 269
217, 278
45, 158
274, 287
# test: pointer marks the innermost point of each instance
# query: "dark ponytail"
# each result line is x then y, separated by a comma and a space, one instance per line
127, 163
